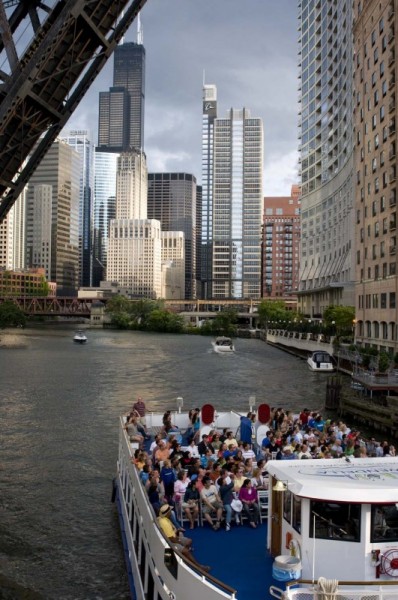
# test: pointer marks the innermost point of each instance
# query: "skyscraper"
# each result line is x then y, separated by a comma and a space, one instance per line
104, 210
172, 200
237, 196
281, 245
58, 177
81, 142
327, 270
121, 109
134, 247
376, 143
209, 114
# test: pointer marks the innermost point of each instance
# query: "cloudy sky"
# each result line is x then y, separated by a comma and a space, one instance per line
248, 49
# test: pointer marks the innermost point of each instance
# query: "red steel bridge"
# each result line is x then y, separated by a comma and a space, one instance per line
50, 53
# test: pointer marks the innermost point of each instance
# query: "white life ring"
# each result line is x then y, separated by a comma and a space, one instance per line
295, 549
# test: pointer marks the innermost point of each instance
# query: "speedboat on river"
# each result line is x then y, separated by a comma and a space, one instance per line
331, 525
80, 337
223, 345
321, 361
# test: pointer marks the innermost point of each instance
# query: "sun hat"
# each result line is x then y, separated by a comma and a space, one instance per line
164, 510
236, 505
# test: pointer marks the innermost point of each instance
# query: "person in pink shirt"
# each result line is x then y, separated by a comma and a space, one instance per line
249, 498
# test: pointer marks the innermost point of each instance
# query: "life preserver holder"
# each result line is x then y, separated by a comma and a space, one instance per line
389, 562
295, 549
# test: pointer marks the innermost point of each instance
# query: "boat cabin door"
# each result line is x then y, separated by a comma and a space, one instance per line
276, 520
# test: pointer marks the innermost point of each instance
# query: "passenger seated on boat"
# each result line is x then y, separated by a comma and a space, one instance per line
179, 542
132, 431
193, 450
161, 453
247, 451
240, 478
258, 480
180, 485
190, 504
249, 498
230, 439
211, 503
204, 445
215, 441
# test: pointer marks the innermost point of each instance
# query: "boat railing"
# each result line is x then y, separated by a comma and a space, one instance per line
149, 550
346, 590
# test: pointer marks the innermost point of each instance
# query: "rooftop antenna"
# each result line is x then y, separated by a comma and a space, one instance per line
140, 33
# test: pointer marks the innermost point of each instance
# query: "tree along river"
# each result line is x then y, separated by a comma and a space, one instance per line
59, 408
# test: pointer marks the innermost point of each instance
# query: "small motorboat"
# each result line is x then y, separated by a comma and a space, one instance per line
223, 345
80, 337
320, 361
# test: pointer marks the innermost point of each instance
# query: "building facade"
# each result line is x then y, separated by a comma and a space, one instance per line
13, 235
209, 114
121, 109
134, 246
237, 205
327, 261
105, 167
281, 245
81, 142
376, 93
172, 201
173, 265
59, 174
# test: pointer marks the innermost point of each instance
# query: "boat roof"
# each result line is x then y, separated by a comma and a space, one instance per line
373, 480
223, 338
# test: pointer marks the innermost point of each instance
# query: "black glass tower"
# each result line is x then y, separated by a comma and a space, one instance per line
121, 109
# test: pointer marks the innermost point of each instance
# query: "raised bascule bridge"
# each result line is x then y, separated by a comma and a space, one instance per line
50, 53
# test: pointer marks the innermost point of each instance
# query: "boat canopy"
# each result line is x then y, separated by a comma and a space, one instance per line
373, 480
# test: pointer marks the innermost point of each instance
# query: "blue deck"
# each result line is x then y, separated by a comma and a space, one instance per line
238, 557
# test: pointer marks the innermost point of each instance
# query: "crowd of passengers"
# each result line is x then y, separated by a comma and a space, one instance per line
221, 475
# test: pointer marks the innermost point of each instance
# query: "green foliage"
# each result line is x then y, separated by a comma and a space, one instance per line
163, 321
272, 311
384, 362
11, 315
145, 315
223, 324
343, 317
396, 358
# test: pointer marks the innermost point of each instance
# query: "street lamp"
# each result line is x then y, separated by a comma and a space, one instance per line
180, 403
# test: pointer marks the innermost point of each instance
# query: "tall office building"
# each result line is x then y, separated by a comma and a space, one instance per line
327, 269
134, 245
172, 201
12, 235
81, 142
281, 245
237, 205
376, 117
105, 167
173, 265
121, 109
209, 114
58, 176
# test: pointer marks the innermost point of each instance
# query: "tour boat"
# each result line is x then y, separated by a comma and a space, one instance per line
352, 506
320, 361
223, 345
349, 504
80, 337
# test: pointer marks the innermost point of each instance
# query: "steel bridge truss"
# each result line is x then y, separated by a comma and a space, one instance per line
72, 40
53, 307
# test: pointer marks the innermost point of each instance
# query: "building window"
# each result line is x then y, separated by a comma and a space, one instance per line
392, 300
383, 300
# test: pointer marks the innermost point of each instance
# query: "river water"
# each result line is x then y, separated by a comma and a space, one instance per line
59, 408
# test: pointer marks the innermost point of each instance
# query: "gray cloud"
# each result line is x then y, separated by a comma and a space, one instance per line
248, 49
